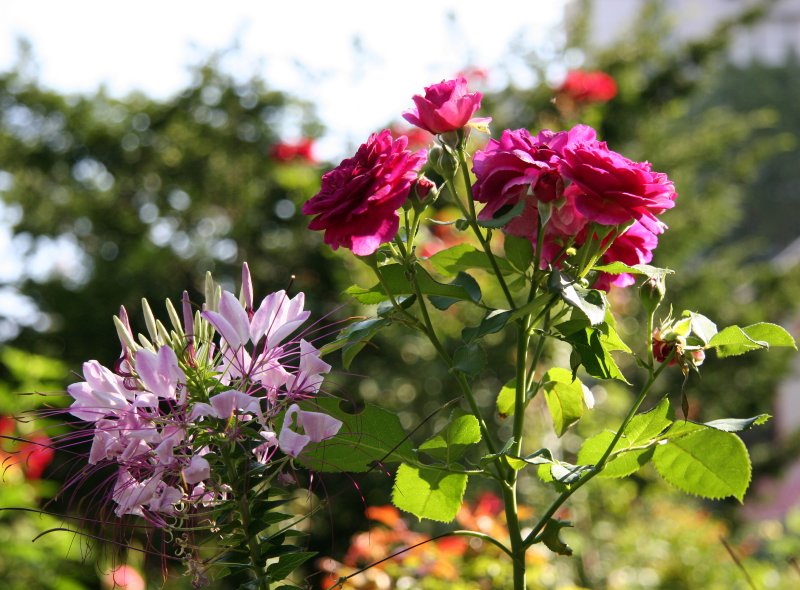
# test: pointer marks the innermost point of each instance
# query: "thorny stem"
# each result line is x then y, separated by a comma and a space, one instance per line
460, 378
510, 489
426, 326
473, 223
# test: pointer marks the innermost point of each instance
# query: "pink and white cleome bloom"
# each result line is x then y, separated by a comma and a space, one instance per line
168, 413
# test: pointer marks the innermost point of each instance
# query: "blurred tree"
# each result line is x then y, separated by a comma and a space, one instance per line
114, 200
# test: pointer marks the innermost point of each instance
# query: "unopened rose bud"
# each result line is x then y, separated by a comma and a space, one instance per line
447, 164
424, 188
698, 356
651, 293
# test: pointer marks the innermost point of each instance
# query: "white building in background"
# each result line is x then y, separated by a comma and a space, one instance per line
769, 41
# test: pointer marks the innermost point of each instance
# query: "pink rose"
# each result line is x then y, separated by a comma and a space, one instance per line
613, 190
520, 166
635, 246
358, 201
586, 87
445, 107
506, 169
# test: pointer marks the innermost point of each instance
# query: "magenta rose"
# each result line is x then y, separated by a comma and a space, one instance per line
358, 200
635, 246
614, 190
505, 170
520, 166
445, 107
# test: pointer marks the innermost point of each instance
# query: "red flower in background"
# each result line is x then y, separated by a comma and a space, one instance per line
287, 151
33, 454
587, 87
417, 138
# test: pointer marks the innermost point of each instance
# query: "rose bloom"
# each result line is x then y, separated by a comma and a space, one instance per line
520, 166
587, 87
613, 190
635, 246
505, 169
445, 107
358, 200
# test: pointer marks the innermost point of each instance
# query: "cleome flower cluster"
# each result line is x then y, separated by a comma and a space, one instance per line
567, 184
226, 378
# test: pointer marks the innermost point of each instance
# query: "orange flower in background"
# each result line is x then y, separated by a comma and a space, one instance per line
441, 558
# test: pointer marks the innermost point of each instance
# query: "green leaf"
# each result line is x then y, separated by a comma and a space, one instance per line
286, 564
519, 252
373, 434
469, 359
565, 398
648, 425
532, 308
464, 280
506, 399
738, 424
429, 493
734, 340
622, 465
551, 537
702, 327
589, 302
450, 443
465, 257
494, 321
707, 462
641, 430
593, 347
354, 337
618, 268
772, 334
504, 215
394, 275
559, 473
387, 308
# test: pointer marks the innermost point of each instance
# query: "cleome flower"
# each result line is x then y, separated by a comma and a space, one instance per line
178, 403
